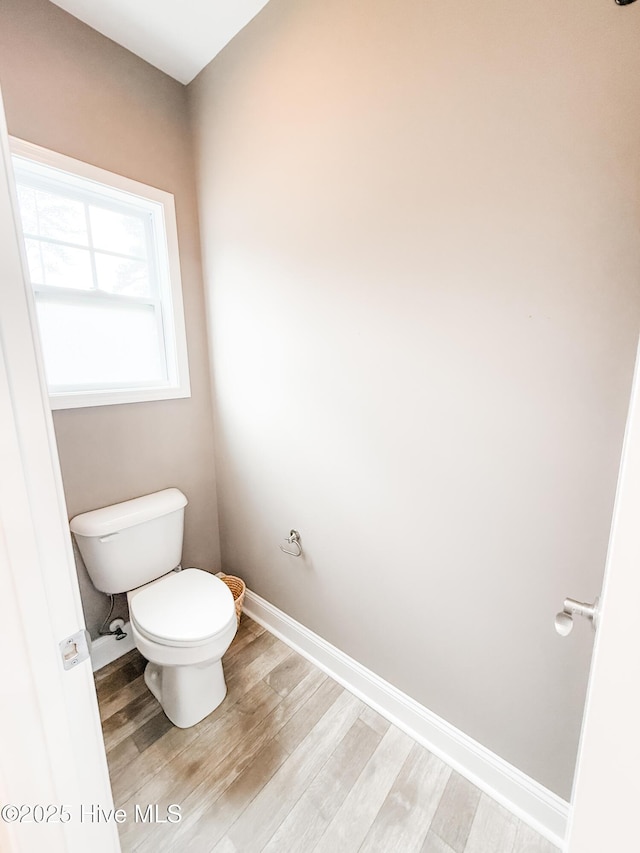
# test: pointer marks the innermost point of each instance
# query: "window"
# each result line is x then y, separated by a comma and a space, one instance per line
102, 256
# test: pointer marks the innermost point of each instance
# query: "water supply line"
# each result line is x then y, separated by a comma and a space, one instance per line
115, 627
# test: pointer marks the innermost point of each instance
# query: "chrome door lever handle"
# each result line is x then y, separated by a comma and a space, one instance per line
571, 608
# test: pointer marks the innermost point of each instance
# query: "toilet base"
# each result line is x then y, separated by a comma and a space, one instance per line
189, 693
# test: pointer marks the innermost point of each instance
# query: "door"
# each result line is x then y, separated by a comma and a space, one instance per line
53, 772
607, 783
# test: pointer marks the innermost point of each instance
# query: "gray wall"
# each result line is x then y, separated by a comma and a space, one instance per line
70, 89
420, 232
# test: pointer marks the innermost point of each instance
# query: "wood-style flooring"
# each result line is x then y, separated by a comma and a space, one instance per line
289, 762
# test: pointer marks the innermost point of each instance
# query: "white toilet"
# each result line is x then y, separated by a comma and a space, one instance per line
183, 621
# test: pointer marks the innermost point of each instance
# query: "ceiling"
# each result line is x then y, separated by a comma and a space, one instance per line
179, 37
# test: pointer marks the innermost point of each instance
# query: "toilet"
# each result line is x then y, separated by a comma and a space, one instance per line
182, 620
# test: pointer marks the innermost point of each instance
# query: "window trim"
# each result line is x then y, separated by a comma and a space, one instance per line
166, 238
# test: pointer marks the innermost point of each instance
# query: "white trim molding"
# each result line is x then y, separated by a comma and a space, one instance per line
39, 169
527, 799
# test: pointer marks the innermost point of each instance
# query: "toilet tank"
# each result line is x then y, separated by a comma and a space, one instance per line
128, 544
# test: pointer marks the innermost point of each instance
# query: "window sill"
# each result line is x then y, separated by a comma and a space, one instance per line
82, 400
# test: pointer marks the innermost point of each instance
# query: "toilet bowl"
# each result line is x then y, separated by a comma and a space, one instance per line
182, 624
182, 620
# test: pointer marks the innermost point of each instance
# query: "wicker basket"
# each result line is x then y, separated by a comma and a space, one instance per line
238, 589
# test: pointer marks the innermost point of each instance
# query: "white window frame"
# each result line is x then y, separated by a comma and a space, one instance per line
167, 264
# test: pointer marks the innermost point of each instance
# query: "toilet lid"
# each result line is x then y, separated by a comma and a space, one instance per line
190, 606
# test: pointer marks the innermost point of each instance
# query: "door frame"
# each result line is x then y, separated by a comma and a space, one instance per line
604, 798
51, 747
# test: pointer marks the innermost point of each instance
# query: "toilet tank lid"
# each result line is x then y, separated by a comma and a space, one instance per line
111, 519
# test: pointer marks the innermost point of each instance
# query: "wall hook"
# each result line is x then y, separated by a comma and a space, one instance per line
293, 539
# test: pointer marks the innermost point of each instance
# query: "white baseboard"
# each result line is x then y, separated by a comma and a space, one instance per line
106, 649
534, 804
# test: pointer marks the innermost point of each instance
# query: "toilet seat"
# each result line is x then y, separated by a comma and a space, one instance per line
183, 609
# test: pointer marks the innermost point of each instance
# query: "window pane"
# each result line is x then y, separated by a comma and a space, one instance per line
61, 218
101, 251
100, 344
66, 267
118, 232
28, 209
36, 271
119, 275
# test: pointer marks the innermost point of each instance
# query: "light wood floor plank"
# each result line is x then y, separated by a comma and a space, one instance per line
124, 722
126, 780
288, 763
434, 844
249, 647
221, 732
225, 845
305, 718
352, 821
284, 677
403, 821
237, 798
310, 816
147, 734
251, 625
272, 804
117, 700
529, 841
456, 811
243, 638
120, 671
493, 828
244, 676
246, 670
122, 757
202, 807
189, 768
374, 720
